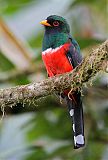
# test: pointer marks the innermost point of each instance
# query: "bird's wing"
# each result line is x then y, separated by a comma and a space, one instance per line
75, 104
74, 54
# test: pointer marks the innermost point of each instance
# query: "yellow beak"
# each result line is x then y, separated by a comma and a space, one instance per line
45, 23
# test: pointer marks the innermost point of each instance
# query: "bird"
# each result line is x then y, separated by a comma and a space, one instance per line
61, 54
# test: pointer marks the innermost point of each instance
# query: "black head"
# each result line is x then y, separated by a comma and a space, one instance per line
56, 23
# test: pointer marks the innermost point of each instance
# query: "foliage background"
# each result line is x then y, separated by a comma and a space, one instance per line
42, 130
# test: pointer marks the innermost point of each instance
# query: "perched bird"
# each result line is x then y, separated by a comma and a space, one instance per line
61, 54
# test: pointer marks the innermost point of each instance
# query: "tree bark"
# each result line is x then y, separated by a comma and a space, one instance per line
83, 73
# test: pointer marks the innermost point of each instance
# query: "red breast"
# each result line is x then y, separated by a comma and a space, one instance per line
56, 61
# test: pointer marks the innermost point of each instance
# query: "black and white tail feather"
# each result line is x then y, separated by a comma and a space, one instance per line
76, 113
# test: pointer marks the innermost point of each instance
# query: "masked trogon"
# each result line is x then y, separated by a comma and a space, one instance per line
61, 54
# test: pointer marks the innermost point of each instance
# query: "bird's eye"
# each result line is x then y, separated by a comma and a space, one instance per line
55, 23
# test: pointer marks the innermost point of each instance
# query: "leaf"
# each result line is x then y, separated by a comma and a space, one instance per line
86, 42
5, 64
14, 49
91, 2
10, 7
36, 40
12, 141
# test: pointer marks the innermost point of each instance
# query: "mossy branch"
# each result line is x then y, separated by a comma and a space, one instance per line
89, 67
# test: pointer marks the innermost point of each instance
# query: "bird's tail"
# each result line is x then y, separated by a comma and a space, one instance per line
76, 114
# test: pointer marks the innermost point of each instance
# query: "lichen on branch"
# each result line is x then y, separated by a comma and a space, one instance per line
96, 61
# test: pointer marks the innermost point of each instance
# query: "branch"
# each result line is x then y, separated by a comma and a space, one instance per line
89, 67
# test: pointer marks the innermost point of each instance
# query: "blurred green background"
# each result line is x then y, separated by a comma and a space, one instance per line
42, 130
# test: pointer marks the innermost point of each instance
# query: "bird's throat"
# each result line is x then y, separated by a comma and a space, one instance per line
54, 40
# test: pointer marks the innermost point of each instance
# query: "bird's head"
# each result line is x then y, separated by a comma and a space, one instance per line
56, 23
